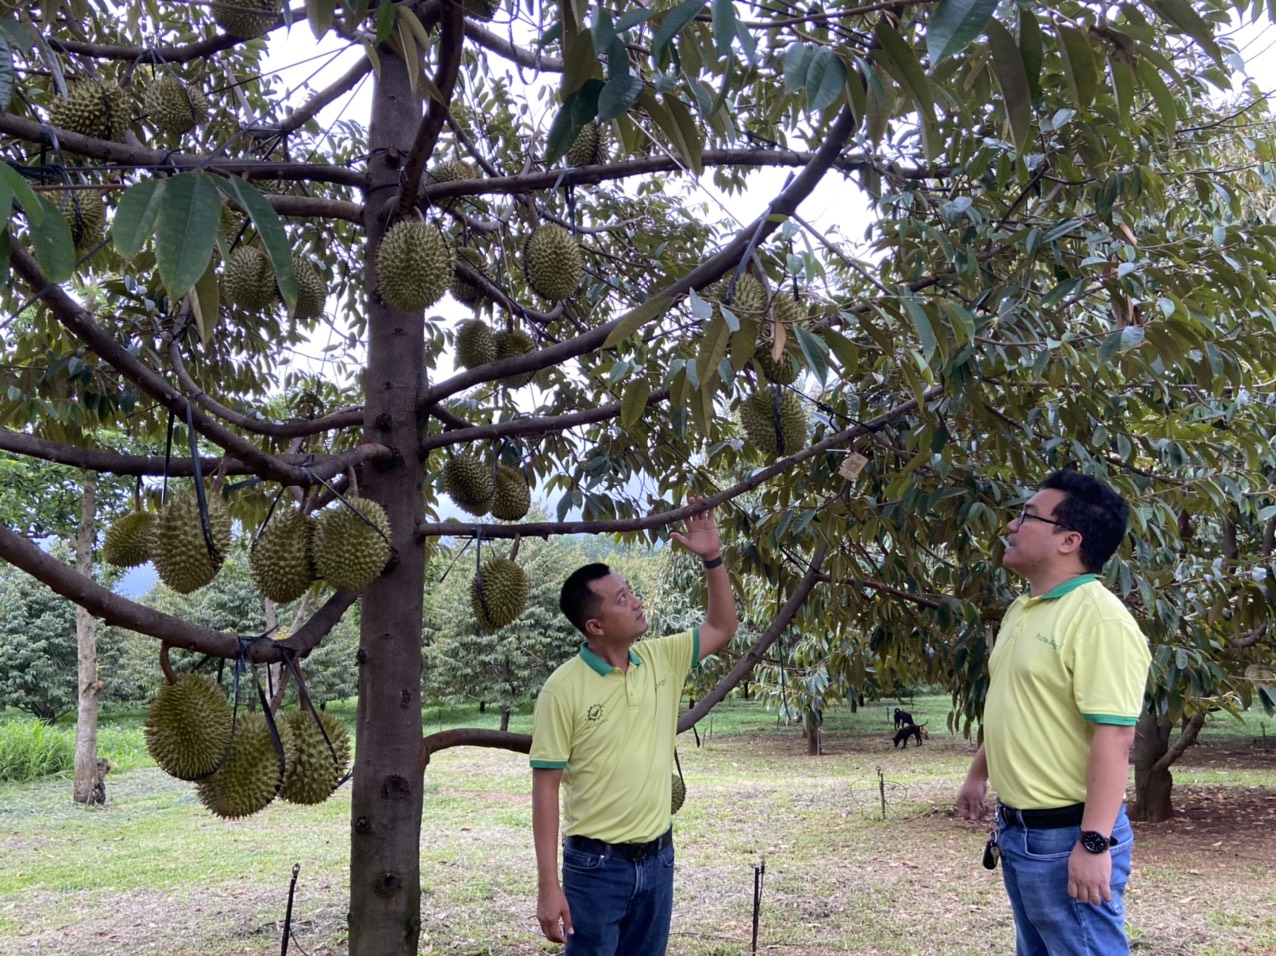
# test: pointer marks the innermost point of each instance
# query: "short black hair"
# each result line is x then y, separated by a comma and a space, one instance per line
577, 601
1092, 509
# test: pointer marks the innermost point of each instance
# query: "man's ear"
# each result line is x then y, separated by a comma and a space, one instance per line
1071, 543
593, 627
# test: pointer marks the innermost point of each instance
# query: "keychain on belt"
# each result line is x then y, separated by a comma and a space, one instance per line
992, 852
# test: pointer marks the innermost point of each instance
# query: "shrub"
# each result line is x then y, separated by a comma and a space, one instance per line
31, 749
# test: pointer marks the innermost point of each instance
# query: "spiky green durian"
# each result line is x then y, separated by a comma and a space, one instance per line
748, 298
229, 223
248, 280
589, 147
468, 481
188, 726
451, 171
85, 216
93, 109
508, 344
678, 795
414, 265
312, 294
246, 19
175, 107
253, 773
512, 498
475, 344
128, 540
181, 555
503, 595
464, 291
758, 416
316, 768
349, 552
553, 263
280, 562
785, 371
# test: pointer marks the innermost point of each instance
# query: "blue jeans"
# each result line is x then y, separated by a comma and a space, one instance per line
1048, 922
619, 907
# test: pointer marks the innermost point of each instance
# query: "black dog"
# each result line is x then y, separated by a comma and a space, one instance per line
902, 718
911, 730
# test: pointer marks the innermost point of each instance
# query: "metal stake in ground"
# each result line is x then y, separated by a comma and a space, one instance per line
292, 892
759, 871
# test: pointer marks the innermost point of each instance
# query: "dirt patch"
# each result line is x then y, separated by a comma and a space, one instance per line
1212, 824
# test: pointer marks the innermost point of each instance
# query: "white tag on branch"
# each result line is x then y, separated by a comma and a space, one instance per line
853, 465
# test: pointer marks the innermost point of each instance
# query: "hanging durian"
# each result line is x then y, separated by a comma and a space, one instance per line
85, 216
589, 147
464, 291
503, 595
510, 343
128, 540
175, 107
312, 294
468, 481
280, 562
678, 795
414, 265
248, 280
552, 262
253, 773
316, 767
349, 552
246, 19
94, 109
475, 344
188, 726
512, 498
758, 416
179, 551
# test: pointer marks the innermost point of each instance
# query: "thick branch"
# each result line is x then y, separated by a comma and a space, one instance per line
922, 599
122, 612
756, 653
310, 109
1186, 739
451, 46
473, 737
503, 47
784, 205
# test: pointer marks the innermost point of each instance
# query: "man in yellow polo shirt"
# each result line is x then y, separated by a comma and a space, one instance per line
1066, 682
604, 731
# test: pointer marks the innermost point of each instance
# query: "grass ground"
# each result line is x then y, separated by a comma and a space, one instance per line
862, 854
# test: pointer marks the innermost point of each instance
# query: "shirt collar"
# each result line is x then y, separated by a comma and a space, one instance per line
1067, 587
599, 665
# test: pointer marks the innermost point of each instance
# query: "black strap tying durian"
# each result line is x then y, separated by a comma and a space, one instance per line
303, 696
336, 494
777, 402
198, 469
479, 587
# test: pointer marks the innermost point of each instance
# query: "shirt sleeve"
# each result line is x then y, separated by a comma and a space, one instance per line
551, 732
1109, 660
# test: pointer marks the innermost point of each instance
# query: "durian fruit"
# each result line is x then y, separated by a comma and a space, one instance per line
248, 280
93, 109
178, 548
252, 774
679, 794
508, 344
748, 299
553, 263
314, 772
229, 223
467, 480
757, 415
475, 344
464, 291
505, 590
589, 147
175, 107
246, 19
188, 726
85, 215
350, 553
451, 171
414, 265
281, 562
312, 294
128, 540
785, 371
481, 9
512, 498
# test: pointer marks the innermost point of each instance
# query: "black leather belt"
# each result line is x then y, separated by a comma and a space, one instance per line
629, 851
1051, 819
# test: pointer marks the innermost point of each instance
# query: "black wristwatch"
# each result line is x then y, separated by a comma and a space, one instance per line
1095, 842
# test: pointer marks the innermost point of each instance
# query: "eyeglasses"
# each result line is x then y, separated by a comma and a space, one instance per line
1026, 515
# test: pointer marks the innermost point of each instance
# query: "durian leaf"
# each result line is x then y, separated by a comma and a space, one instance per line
816, 350
1079, 67
634, 17
895, 52
6, 210
748, 43
51, 240
723, 25
604, 29
685, 134
626, 326
580, 63
634, 402
407, 43
1031, 48
134, 220
206, 302
1007, 66
825, 80
619, 93
23, 194
713, 346
1151, 79
578, 109
386, 15
797, 63
189, 211
266, 221
6, 74
319, 14
953, 25
672, 25
1183, 15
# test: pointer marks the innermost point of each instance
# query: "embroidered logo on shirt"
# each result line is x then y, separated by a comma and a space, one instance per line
595, 712
660, 683
1050, 641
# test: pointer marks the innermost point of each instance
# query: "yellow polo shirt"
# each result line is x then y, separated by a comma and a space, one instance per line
612, 733
1062, 663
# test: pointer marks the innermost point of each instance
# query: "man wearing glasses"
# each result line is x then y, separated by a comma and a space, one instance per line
1066, 680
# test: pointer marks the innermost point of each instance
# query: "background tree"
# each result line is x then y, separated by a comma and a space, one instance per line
1069, 267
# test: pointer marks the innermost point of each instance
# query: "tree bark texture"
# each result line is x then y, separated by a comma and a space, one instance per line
1153, 782
86, 768
386, 801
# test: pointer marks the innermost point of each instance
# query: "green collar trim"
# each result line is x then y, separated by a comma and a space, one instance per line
1068, 586
600, 666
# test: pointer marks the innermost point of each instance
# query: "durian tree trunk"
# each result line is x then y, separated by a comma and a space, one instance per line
385, 834
86, 768
1153, 782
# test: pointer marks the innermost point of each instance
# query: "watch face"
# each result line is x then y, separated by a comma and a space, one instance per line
1094, 842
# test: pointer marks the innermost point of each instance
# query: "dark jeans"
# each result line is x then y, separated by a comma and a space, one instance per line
619, 907
1048, 922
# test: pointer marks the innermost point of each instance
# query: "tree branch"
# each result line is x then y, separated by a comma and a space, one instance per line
451, 46
1186, 739
502, 47
308, 110
473, 737
755, 654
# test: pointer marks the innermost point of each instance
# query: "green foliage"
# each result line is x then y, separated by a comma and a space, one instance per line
30, 749
37, 653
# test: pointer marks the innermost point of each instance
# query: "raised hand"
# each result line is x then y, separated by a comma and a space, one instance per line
702, 534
